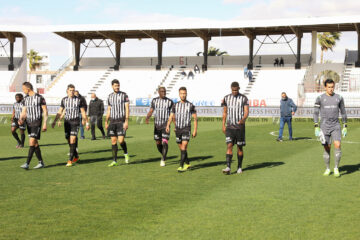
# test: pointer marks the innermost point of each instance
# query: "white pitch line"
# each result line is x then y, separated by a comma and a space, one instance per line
350, 142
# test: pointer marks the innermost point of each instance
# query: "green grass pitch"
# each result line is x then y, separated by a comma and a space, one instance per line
281, 194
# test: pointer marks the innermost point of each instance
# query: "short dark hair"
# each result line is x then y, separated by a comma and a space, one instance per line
115, 81
234, 84
19, 95
28, 85
162, 87
182, 88
328, 81
70, 86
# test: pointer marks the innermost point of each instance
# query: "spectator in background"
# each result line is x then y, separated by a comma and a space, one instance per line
82, 99
287, 110
196, 69
190, 75
281, 62
276, 62
250, 76
183, 74
96, 112
245, 72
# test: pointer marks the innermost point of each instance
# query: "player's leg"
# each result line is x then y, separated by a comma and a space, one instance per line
282, 124
165, 146
112, 132
182, 154
15, 135
289, 122
123, 145
72, 150
240, 157
230, 140
22, 133
326, 156
336, 136
31, 151
159, 145
37, 149
184, 161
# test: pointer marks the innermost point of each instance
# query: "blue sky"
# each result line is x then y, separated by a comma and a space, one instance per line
40, 12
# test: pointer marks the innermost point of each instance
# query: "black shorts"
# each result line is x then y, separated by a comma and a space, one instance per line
34, 129
15, 124
236, 136
160, 134
117, 129
183, 135
71, 128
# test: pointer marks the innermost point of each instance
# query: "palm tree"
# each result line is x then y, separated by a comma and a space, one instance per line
327, 41
34, 61
212, 51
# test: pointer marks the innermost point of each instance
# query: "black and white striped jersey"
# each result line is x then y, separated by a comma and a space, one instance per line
162, 107
18, 108
33, 106
117, 103
183, 112
72, 106
235, 109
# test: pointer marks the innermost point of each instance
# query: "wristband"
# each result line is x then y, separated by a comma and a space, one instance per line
316, 125
345, 125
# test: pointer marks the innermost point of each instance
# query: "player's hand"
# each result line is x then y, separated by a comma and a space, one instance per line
194, 134
44, 128
224, 129
344, 132
12, 119
317, 131
20, 122
106, 125
126, 125
147, 121
83, 122
87, 127
59, 123
53, 124
242, 121
167, 129
293, 113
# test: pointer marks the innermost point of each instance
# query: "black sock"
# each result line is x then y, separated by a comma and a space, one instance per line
72, 151
186, 158
182, 159
38, 154
30, 154
22, 139
240, 160
124, 147
160, 148
76, 154
114, 152
228, 160
16, 137
164, 150
102, 131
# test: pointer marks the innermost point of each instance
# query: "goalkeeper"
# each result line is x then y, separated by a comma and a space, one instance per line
328, 106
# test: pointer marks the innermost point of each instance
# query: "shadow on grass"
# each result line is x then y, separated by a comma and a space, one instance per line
349, 169
52, 144
155, 159
262, 165
96, 151
12, 158
208, 164
87, 161
301, 138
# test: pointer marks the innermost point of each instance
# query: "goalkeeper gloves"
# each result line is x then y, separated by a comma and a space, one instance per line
317, 130
344, 130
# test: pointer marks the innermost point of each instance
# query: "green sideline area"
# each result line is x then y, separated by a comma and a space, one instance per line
280, 195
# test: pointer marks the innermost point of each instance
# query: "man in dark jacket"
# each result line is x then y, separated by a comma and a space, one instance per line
287, 110
96, 111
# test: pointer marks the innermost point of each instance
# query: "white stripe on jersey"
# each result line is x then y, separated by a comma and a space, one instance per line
33, 107
162, 109
18, 109
117, 102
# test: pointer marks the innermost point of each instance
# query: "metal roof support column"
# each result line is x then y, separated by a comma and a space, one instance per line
77, 45
299, 35
118, 53
11, 65
206, 47
250, 65
160, 51
313, 46
357, 27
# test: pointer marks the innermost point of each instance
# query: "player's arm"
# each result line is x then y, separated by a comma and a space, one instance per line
246, 114
148, 116
224, 119
84, 118
57, 117
194, 115
343, 116
317, 106
13, 115
45, 117
107, 117
127, 115
171, 117
22, 116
